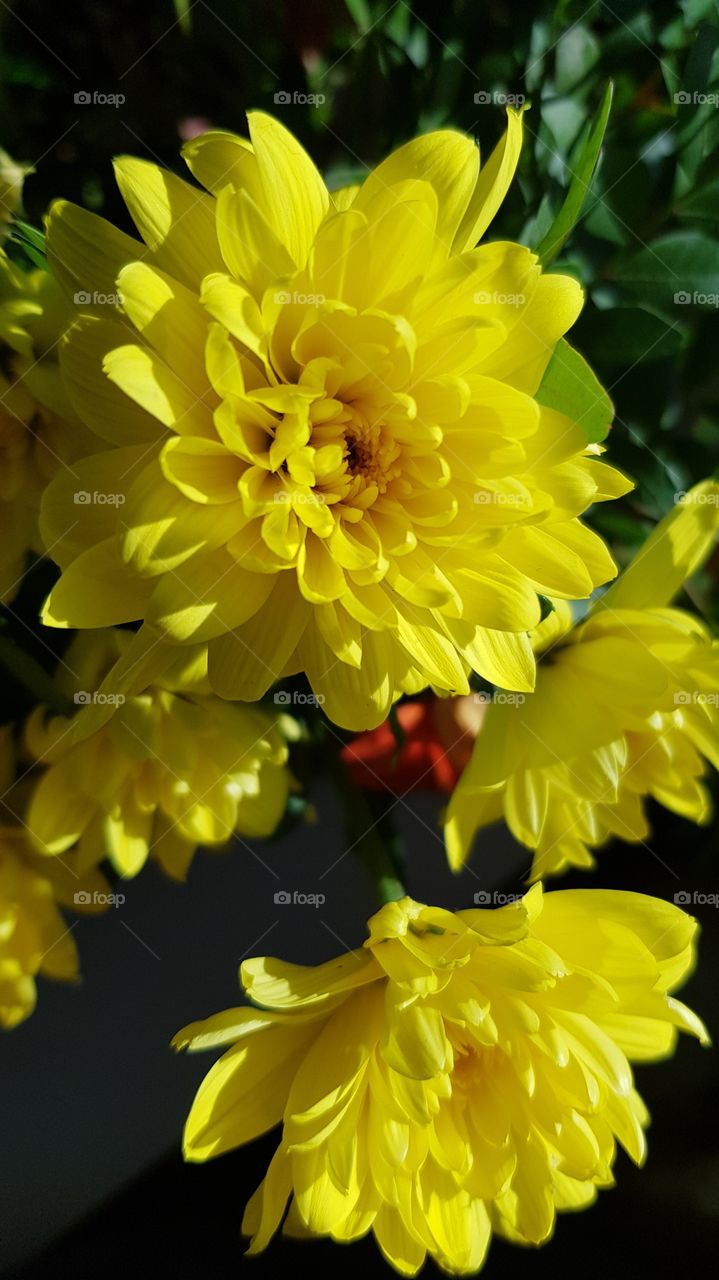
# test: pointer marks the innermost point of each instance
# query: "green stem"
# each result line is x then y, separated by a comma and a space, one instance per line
379, 861
32, 676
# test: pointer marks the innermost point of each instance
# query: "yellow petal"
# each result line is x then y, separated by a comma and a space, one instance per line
447, 160
204, 470
86, 252
96, 590
176, 222
674, 550
170, 318
245, 663
155, 387
206, 596
80, 506
244, 1094
250, 246
218, 159
276, 984
296, 198
106, 409
493, 183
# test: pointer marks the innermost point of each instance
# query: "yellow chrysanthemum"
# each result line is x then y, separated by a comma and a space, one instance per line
462, 1074
626, 706
171, 769
39, 430
323, 447
34, 937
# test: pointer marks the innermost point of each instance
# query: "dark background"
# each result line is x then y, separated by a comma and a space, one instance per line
92, 1100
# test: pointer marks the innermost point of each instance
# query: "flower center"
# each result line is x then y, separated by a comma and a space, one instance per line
370, 452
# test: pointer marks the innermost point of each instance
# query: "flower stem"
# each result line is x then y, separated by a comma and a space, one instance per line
381, 861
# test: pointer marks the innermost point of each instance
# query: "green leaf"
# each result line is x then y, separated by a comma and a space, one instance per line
623, 337
360, 13
183, 10
577, 52
696, 10
31, 241
680, 269
566, 118
570, 386
695, 108
570, 211
702, 204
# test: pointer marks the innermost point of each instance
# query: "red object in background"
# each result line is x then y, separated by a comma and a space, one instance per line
190, 127
439, 735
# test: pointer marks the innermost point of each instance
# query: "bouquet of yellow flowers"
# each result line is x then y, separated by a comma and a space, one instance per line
311, 476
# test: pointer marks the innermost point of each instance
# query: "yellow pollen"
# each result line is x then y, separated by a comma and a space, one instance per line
371, 453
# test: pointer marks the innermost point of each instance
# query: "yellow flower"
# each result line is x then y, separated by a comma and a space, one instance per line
170, 769
39, 430
459, 1075
626, 706
34, 937
323, 448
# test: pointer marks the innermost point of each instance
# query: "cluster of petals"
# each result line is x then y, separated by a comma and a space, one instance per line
317, 419
461, 1074
158, 773
626, 707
